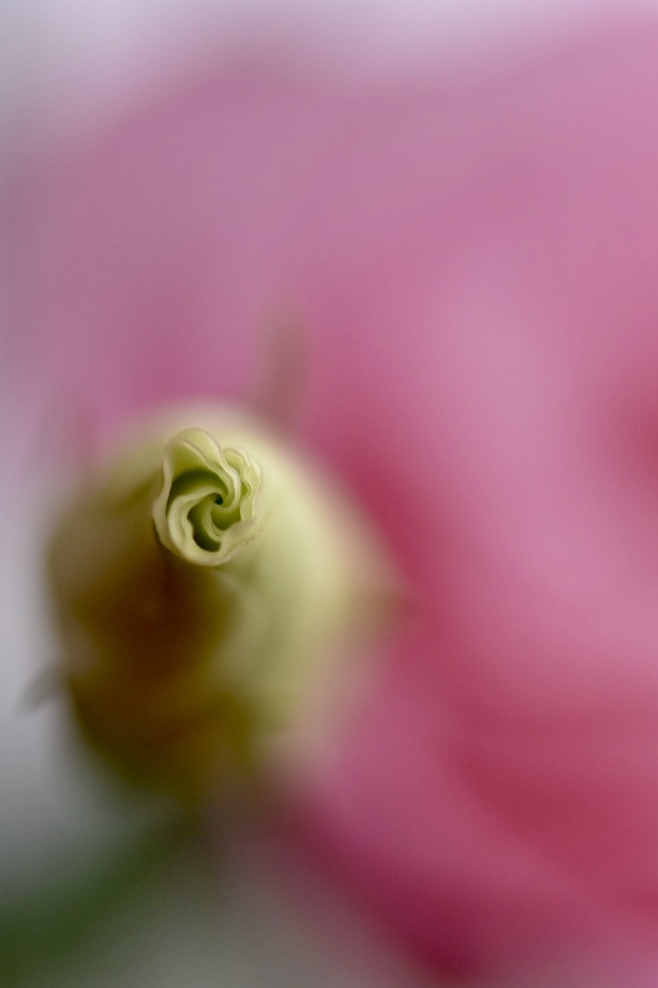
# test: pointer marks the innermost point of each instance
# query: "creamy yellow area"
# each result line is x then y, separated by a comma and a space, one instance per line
206, 585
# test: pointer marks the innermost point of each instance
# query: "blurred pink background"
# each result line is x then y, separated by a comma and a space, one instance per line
468, 229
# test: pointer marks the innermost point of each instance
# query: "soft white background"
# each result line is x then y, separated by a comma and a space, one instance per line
80, 57
73, 64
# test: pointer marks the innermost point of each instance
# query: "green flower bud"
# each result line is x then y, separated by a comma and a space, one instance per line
206, 584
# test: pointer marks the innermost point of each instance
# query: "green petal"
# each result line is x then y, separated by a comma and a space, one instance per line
206, 509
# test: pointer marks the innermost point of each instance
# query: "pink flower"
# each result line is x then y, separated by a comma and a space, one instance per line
476, 262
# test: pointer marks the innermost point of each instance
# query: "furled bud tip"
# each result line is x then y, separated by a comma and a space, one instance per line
206, 586
206, 509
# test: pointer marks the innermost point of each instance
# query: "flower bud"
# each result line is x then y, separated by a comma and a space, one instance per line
204, 582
